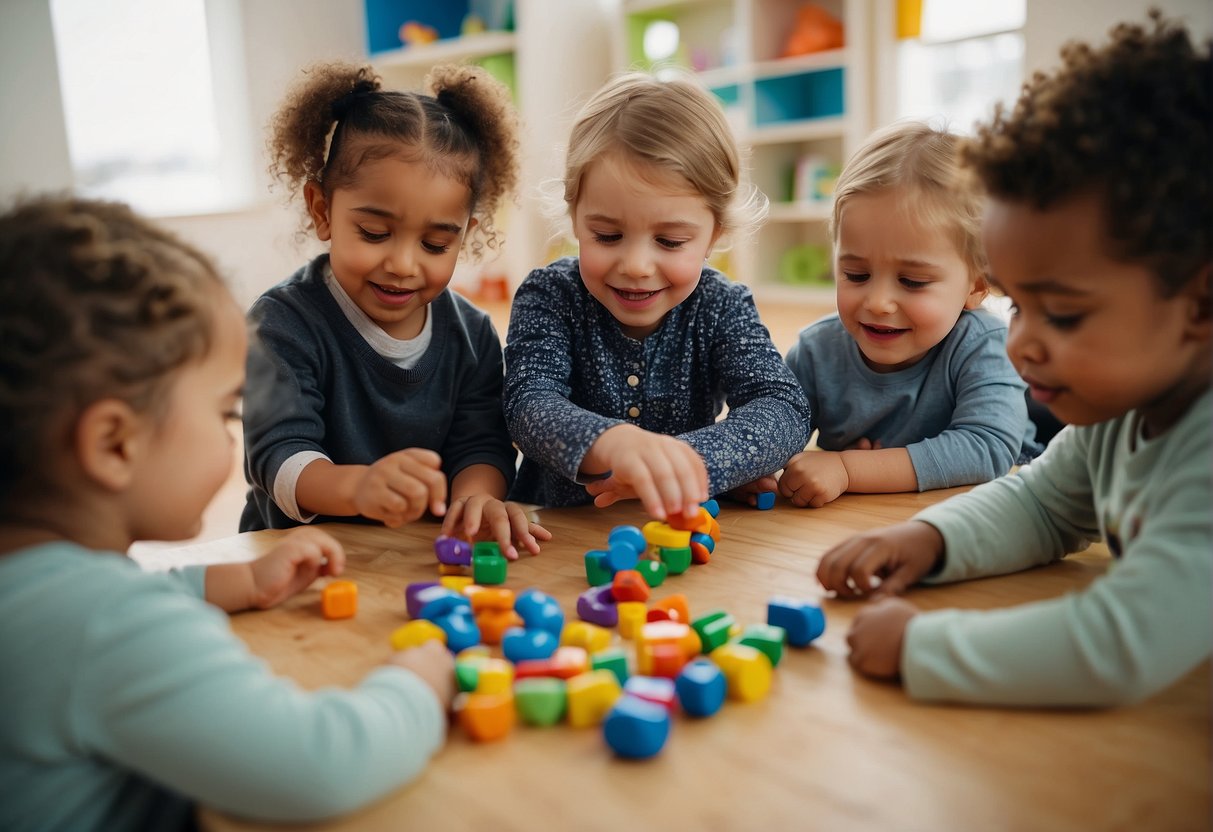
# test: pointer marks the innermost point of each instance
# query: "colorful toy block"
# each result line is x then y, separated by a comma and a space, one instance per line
597, 605
467, 675
612, 659
688, 523
714, 629
672, 632
417, 595
802, 620
519, 645
460, 628
747, 670
665, 660
584, 634
675, 605
764, 500
339, 600
590, 697
540, 611
621, 556
444, 605
456, 583
489, 569
676, 559
701, 688
635, 728
486, 716
661, 535
653, 572
495, 676
486, 547
702, 547
540, 700
493, 624
629, 585
712, 507
416, 633
631, 618
597, 572
565, 663
628, 536
449, 570
765, 637
656, 689
453, 551
489, 598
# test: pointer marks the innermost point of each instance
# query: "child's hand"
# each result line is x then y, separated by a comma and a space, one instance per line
400, 487
814, 478
749, 492
876, 637
507, 522
666, 473
302, 556
864, 444
434, 664
881, 562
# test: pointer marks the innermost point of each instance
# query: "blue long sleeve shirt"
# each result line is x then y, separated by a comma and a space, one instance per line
571, 374
960, 412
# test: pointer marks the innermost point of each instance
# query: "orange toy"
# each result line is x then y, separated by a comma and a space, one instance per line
815, 30
339, 600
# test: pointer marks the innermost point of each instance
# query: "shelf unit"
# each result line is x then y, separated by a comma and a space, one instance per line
554, 55
783, 110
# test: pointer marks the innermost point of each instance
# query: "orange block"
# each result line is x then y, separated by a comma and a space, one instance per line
489, 598
677, 607
487, 716
629, 585
493, 623
691, 523
339, 600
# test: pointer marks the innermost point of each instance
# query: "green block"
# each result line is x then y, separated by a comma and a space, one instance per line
488, 570
486, 547
596, 572
765, 637
540, 700
676, 561
653, 571
467, 675
713, 629
612, 659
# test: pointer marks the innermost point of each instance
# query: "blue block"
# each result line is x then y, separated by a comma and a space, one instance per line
764, 500
418, 595
539, 611
701, 688
461, 629
444, 605
621, 556
704, 540
712, 506
635, 728
520, 645
803, 620
628, 536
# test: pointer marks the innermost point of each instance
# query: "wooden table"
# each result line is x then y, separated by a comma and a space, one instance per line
826, 750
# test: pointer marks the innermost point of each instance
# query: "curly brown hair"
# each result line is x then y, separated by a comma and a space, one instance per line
1128, 121
465, 126
95, 302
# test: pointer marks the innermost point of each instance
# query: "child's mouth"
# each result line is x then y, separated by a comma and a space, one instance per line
635, 300
392, 296
882, 333
1041, 393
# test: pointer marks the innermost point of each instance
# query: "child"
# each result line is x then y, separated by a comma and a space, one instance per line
376, 389
126, 698
619, 361
1099, 231
909, 384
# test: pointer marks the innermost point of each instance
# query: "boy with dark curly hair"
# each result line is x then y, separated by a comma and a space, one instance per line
1098, 228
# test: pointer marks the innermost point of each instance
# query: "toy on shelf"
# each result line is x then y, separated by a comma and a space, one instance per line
805, 265
815, 30
414, 33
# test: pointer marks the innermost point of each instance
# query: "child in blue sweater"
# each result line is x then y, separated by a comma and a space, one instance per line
126, 697
375, 392
620, 360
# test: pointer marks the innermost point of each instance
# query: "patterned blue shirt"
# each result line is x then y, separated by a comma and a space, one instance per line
571, 374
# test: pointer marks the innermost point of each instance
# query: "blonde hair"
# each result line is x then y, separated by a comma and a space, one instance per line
676, 125
338, 116
924, 162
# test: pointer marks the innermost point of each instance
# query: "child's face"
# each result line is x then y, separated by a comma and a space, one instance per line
643, 236
901, 285
1093, 337
394, 239
188, 451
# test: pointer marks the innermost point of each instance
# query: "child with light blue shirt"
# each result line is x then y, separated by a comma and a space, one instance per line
909, 384
126, 697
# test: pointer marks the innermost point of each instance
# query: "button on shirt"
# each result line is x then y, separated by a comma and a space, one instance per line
572, 374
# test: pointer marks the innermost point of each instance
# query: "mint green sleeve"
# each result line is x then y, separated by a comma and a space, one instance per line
1131, 633
225, 731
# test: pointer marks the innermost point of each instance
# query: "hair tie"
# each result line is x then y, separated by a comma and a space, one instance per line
362, 88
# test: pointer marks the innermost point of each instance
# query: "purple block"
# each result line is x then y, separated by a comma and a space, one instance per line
453, 551
597, 605
413, 590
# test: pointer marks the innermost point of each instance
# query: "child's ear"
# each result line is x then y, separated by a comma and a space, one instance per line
1200, 293
978, 293
318, 209
108, 438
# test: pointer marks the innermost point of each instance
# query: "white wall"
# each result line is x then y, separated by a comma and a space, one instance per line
1050, 23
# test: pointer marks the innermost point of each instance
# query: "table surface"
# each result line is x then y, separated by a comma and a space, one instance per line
826, 749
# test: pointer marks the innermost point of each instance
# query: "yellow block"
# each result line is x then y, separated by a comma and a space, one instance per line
632, 615
495, 676
660, 534
584, 634
747, 670
417, 632
458, 583
591, 696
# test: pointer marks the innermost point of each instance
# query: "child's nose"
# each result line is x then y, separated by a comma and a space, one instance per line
1022, 344
880, 300
400, 260
636, 261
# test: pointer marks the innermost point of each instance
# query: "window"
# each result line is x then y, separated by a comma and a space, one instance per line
968, 55
140, 108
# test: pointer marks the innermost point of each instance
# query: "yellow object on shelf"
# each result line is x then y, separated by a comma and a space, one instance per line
909, 19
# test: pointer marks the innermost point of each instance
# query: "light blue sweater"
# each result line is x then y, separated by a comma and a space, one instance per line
960, 412
126, 698
1135, 630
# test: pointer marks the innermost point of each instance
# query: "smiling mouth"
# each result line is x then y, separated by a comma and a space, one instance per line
882, 332
634, 296
391, 294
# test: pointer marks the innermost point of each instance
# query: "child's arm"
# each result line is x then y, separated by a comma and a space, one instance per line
477, 502
814, 478
396, 490
665, 473
292, 565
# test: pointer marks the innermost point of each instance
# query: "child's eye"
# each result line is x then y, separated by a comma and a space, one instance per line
372, 236
1063, 322
911, 283
607, 239
233, 415
435, 248
855, 277
673, 245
